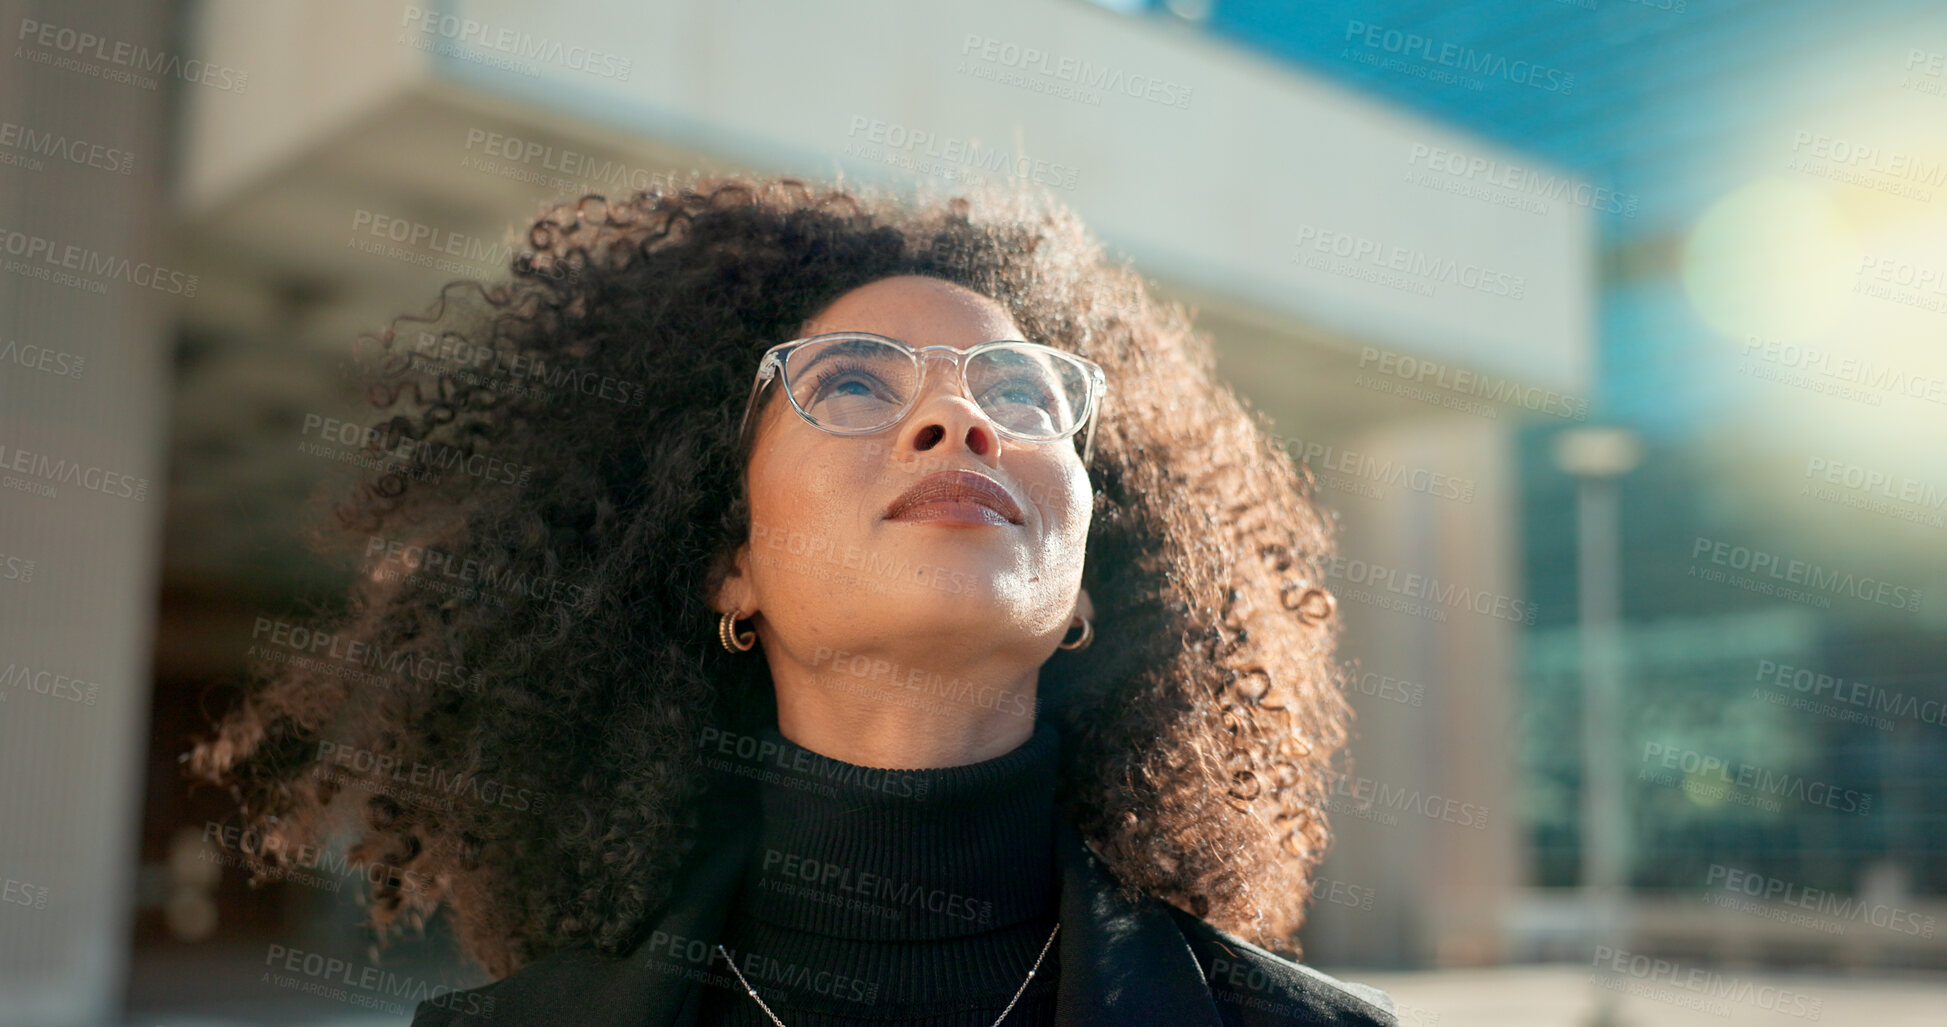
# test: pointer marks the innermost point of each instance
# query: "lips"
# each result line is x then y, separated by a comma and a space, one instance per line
957, 486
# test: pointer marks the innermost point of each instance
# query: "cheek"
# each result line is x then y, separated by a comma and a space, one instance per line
804, 491
788, 471
1065, 501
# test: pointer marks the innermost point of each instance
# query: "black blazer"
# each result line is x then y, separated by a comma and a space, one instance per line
1122, 965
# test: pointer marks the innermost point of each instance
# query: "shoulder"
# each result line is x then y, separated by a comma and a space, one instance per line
1253, 986
647, 984
541, 989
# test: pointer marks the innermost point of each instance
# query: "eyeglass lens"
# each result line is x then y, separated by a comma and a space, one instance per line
857, 384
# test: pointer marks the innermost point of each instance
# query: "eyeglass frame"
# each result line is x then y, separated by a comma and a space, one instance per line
771, 368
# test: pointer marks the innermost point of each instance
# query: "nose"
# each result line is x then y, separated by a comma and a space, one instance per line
944, 418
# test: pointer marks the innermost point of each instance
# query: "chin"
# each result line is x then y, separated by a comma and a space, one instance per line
942, 599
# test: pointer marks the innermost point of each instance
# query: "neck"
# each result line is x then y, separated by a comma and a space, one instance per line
930, 891
873, 709
980, 831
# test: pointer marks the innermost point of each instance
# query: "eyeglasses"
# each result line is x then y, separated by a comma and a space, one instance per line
857, 383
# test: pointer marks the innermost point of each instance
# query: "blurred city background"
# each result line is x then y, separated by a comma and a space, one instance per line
1611, 329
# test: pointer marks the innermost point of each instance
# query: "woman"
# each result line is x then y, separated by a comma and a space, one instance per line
891, 621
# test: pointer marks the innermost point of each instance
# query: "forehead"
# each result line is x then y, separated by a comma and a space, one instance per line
918, 311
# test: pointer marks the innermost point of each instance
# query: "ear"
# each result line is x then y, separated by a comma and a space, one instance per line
1083, 606
734, 589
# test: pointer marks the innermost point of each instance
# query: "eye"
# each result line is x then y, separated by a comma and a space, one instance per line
1021, 401
846, 380
849, 394
1021, 390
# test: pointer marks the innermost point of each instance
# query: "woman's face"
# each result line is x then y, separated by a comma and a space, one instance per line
838, 561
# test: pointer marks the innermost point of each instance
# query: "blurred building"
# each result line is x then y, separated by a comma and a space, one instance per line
323, 203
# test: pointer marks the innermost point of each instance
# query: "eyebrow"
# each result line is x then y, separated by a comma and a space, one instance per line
839, 349
1020, 359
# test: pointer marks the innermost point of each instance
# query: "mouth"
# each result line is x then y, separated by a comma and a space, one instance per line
956, 496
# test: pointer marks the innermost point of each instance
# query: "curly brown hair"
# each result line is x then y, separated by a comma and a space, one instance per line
1199, 734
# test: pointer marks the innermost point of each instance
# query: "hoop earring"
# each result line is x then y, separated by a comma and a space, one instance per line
727, 634
1087, 636
1315, 605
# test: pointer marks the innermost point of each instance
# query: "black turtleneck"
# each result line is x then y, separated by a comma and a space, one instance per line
911, 896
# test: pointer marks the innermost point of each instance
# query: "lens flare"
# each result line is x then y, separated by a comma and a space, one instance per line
1772, 258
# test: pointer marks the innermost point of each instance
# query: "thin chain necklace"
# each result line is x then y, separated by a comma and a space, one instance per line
752, 992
